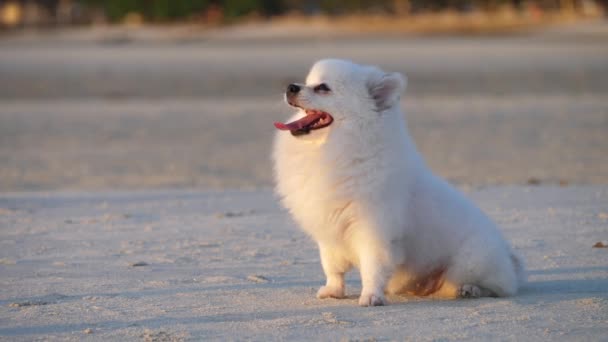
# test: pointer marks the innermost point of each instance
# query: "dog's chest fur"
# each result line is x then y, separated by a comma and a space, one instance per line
327, 186
318, 197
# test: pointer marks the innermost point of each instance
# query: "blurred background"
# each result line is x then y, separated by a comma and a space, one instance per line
140, 94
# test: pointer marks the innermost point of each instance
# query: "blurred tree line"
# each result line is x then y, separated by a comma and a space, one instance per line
64, 12
170, 10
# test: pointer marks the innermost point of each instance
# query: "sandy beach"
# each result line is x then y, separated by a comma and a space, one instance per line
136, 186
230, 265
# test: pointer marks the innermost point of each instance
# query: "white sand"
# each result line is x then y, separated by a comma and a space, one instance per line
225, 143
90, 115
231, 265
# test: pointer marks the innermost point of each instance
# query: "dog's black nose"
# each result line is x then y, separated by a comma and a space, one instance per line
293, 89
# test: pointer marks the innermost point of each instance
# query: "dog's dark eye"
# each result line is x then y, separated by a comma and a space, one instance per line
322, 88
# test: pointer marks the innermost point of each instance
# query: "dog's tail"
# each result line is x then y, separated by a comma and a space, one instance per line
520, 268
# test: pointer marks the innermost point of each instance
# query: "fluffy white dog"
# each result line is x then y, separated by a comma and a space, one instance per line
352, 178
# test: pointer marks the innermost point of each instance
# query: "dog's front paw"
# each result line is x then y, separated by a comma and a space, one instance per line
469, 291
330, 292
372, 299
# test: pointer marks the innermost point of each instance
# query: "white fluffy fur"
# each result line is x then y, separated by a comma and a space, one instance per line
363, 192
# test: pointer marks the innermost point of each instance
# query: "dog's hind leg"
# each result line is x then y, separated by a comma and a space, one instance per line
480, 271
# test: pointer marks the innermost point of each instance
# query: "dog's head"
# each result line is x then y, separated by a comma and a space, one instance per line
339, 90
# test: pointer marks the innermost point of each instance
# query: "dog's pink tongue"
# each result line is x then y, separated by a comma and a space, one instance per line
284, 127
298, 124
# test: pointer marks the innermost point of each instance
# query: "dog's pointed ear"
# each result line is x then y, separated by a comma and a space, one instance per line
386, 89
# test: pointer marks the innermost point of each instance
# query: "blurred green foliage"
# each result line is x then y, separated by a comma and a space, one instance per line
168, 10
171, 10
159, 10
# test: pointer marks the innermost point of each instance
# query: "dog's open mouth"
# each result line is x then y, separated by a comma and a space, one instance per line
314, 119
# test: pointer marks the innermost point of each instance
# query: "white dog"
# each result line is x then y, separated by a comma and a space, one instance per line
351, 176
